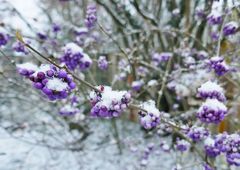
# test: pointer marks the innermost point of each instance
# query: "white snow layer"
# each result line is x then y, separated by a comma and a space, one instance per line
210, 86
56, 84
27, 66
213, 104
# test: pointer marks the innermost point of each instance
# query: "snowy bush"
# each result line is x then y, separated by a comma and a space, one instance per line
123, 84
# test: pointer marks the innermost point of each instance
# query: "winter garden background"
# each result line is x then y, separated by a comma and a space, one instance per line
119, 84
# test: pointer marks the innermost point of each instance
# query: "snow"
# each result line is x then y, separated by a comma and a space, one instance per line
56, 84
152, 83
232, 24
236, 160
177, 167
68, 108
215, 14
26, 8
235, 137
27, 66
137, 83
43, 68
72, 47
182, 90
213, 104
197, 129
209, 142
183, 142
86, 58
210, 86
203, 53
109, 95
166, 54
165, 147
150, 107
81, 29
217, 58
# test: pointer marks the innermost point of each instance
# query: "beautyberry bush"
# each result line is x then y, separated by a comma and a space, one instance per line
171, 68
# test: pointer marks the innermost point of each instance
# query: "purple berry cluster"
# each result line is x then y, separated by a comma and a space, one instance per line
197, 133
233, 159
215, 18
211, 90
91, 16
3, 39
210, 148
230, 28
26, 69
102, 63
108, 103
228, 144
231, 147
212, 111
150, 119
20, 47
137, 85
42, 36
182, 145
214, 36
218, 65
56, 28
200, 13
157, 58
74, 57
53, 82
142, 71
